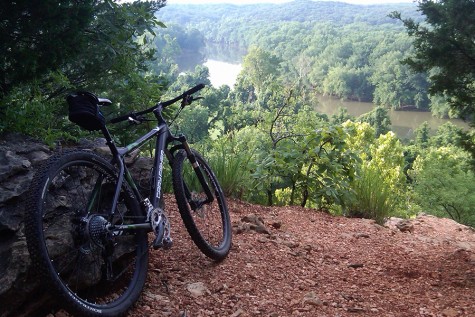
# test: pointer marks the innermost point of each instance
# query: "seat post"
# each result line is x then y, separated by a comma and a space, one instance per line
110, 142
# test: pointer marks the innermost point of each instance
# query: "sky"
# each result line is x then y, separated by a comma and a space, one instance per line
282, 1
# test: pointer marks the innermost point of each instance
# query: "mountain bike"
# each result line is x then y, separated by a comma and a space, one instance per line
88, 225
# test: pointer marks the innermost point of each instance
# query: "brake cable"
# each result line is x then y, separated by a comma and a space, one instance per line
187, 100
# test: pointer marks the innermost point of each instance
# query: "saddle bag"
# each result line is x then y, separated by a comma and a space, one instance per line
84, 110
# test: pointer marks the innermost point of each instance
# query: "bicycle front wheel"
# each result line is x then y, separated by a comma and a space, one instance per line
95, 272
207, 222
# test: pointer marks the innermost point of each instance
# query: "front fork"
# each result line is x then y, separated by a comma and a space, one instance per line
195, 205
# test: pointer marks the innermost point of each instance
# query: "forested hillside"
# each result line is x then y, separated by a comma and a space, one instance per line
302, 48
299, 11
263, 136
348, 51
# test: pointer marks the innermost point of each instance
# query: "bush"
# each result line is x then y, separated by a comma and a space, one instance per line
26, 111
374, 198
444, 184
231, 166
379, 187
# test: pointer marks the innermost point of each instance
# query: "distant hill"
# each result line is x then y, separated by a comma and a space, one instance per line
298, 11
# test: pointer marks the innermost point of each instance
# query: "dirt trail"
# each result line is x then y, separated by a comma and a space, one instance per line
313, 264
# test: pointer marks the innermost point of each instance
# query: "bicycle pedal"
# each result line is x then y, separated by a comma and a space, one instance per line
167, 243
157, 243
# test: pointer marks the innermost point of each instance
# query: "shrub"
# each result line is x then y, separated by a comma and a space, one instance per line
374, 199
444, 184
230, 165
380, 183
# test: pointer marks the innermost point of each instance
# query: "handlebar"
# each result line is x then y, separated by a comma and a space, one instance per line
164, 104
183, 95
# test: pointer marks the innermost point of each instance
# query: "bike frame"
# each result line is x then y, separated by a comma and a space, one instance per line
163, 138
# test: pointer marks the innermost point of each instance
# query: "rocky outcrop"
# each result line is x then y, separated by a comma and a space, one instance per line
18, 158
20, 292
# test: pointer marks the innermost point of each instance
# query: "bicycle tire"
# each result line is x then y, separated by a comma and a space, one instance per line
67, 244
209, 226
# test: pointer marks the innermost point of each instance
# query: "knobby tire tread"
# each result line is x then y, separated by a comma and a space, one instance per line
37, 245
213, 252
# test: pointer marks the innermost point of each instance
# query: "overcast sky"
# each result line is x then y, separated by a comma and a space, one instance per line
282, 1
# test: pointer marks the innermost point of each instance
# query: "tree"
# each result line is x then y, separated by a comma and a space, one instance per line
396, 85
422, 134
444, 183
341, 116
349, 83
260, 66
37, 37
49, 48
193, 122
219, 107
379, 119
87, 40
445, 45
447, 134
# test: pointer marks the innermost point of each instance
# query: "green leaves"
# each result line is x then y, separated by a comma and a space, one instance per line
36, 38
447, 46
379, 182
260, 67
315, 164
52, 47
444, 184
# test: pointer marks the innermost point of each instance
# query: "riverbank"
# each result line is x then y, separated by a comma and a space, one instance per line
403, 122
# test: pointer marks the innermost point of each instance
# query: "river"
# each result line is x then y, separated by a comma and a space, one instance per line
403, 122
222, 73
224, 69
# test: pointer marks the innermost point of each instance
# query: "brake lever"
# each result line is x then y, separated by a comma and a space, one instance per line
133, 120
187, 100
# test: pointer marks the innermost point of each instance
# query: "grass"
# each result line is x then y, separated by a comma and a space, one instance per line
374, 198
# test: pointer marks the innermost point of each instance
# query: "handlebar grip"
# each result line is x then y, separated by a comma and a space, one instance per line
194, 89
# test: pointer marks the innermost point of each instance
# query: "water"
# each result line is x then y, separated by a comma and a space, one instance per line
224, 69
222, 73
403, 122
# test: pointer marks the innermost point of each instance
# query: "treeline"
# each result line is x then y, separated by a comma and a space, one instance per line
348, 51
227, 16
263, 138
270, 146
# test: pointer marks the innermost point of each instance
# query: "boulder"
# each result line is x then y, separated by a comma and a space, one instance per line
20, 292
18, 158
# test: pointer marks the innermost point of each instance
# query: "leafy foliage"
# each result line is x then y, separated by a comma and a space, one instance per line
444, 184
231, 166
88, 45
445, 46
379, 185
379, 119
35, 39
296, 11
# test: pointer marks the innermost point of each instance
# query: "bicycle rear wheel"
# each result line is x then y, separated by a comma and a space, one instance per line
95, 272
208, 223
